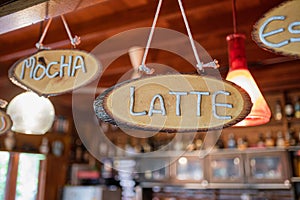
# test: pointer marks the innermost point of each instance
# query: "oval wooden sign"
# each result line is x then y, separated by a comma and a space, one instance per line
5, 122
52, 72
279, 29
174, 103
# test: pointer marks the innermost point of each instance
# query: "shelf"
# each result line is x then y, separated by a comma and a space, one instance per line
293, 148
295, 179
219, 185
293, 121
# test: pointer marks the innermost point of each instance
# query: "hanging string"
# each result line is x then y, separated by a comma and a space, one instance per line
234, 17
74, 40
143, 66
39, 44
199, 63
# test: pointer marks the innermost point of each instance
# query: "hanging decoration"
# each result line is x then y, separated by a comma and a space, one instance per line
278, 30
173, 103
240, 75
31, 113
52, 72
5, 120
47, 73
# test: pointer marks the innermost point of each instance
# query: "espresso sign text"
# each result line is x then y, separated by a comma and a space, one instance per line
5, 122
279, 29
52, 72
174, 103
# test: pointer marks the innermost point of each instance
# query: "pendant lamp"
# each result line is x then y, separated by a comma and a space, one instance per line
240, 75
30, 113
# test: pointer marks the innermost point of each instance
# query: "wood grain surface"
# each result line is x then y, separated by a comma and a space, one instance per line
278, 30
119, 105
53, 72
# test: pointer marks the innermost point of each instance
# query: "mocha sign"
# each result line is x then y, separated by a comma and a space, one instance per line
5, 122
174, 103
279, 29
51, 72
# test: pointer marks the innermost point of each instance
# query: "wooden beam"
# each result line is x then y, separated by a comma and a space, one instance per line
38, 12
12, 6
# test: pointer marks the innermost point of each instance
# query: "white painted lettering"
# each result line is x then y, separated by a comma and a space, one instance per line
39, 70
215, 105
78, 64
63, 65
294, 31
263, 35
36, 70
48, 70
132, 92
162, 110
292, 28
28, 63
199, 94
178, 100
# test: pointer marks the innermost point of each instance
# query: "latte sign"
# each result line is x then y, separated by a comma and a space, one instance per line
279, 29
174, 103
5, 122
52, 72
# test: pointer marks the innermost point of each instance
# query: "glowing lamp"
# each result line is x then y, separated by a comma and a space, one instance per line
240, 75
30, 113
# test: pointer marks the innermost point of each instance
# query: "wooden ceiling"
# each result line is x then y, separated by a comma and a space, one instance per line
97, 20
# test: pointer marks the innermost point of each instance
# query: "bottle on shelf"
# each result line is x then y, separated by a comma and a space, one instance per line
129, 147
191, 146
199, 142
231, 143
44, 147
280, 140
278, 111
261, 141
10, 141
57, 148
297, 108
242, 143
178, 145
245, 141
290, 137
145, 146
269, 142
78, 150
219, 144
289, 109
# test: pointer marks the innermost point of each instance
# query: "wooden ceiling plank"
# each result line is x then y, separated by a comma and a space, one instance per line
12, 6
37, 13
135, 3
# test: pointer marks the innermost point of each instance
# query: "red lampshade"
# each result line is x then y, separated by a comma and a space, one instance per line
240, 75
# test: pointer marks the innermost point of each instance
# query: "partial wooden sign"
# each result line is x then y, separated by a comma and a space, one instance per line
174, 103
279, 29
5, 122
52, 72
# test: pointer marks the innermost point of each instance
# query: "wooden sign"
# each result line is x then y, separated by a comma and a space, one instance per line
174, 103
52, 72
5, 122
279, 29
